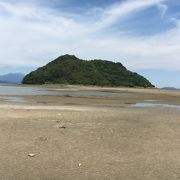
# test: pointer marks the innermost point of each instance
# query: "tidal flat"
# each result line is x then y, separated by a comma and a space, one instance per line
90, 133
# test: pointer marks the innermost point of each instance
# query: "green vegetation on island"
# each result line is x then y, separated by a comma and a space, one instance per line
68, 69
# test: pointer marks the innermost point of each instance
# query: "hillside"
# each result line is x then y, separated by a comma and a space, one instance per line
12, 78
68, 69
169, 88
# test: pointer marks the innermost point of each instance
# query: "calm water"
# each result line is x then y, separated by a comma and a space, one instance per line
14, 99
152, 105
7, 90
10, 93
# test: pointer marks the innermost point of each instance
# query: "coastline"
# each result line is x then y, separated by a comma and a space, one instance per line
90, 137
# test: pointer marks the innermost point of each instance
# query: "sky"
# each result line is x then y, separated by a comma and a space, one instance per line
144, 35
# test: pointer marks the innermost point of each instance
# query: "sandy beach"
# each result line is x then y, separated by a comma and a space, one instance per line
91, 138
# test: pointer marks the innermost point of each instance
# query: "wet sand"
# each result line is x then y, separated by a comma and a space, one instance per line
91, 138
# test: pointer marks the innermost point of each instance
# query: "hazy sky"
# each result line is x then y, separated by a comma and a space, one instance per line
142, 34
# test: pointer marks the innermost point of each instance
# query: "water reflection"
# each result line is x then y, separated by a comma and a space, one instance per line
18, 90
152, 105
14, 99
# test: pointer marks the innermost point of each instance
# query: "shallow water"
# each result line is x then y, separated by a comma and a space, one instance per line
18, 90
14, 99
150, 100
152, 105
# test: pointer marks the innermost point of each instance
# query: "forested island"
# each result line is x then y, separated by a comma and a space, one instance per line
69, 69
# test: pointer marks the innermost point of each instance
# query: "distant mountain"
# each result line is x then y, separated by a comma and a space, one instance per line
169, 88
4, 82
68, 69
15, 78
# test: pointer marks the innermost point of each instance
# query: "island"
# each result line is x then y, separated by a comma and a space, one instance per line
68, 69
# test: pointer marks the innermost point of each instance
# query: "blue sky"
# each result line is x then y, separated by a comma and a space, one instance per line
142, 34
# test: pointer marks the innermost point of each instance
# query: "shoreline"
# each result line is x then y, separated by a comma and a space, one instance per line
129, 96
77, 138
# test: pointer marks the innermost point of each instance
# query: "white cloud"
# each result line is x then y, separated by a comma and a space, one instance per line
118, 11
33, 35
176, 21
163, 9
